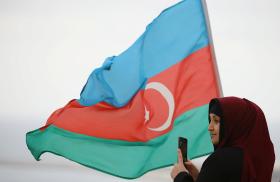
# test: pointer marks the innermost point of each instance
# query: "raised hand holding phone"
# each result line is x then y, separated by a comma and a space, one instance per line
183, 158
179, 166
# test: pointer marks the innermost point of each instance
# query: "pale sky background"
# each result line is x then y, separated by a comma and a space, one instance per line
48, 48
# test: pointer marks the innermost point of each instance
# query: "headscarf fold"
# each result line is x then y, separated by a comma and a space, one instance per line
244, 126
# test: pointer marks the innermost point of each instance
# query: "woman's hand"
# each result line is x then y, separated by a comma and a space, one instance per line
192, 169
180, 167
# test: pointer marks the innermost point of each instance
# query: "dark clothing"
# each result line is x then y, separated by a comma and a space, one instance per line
224, 165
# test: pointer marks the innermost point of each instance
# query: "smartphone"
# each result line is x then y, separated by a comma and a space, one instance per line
183, 146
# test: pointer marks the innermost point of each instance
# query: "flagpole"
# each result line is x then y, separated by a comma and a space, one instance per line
212, 47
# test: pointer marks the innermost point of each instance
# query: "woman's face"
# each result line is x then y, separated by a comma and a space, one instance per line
214, 128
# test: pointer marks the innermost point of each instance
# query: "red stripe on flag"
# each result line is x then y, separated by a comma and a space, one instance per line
192, 83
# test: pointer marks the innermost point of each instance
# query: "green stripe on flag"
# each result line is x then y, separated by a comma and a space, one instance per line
121, 158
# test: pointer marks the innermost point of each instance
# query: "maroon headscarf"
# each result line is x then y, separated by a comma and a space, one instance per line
244, 126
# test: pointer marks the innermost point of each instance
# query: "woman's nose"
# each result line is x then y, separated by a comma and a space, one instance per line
210, 127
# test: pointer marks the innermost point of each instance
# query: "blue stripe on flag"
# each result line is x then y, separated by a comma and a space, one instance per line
176, 33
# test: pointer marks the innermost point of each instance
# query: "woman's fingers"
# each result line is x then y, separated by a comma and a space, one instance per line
192, 169
180, 158
189, 163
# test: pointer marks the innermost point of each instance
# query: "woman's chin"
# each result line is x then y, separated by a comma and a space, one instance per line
214, 142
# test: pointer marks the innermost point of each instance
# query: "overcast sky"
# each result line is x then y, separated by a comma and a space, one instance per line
49, 48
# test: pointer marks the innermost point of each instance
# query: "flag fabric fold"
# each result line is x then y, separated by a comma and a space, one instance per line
135, 106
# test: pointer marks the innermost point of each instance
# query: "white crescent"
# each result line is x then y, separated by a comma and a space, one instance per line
167, 95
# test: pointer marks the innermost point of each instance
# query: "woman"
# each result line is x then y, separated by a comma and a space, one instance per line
243, 151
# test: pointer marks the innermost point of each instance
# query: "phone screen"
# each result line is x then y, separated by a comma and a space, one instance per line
183, 146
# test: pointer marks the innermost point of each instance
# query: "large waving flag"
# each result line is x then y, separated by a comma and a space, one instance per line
133, 108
